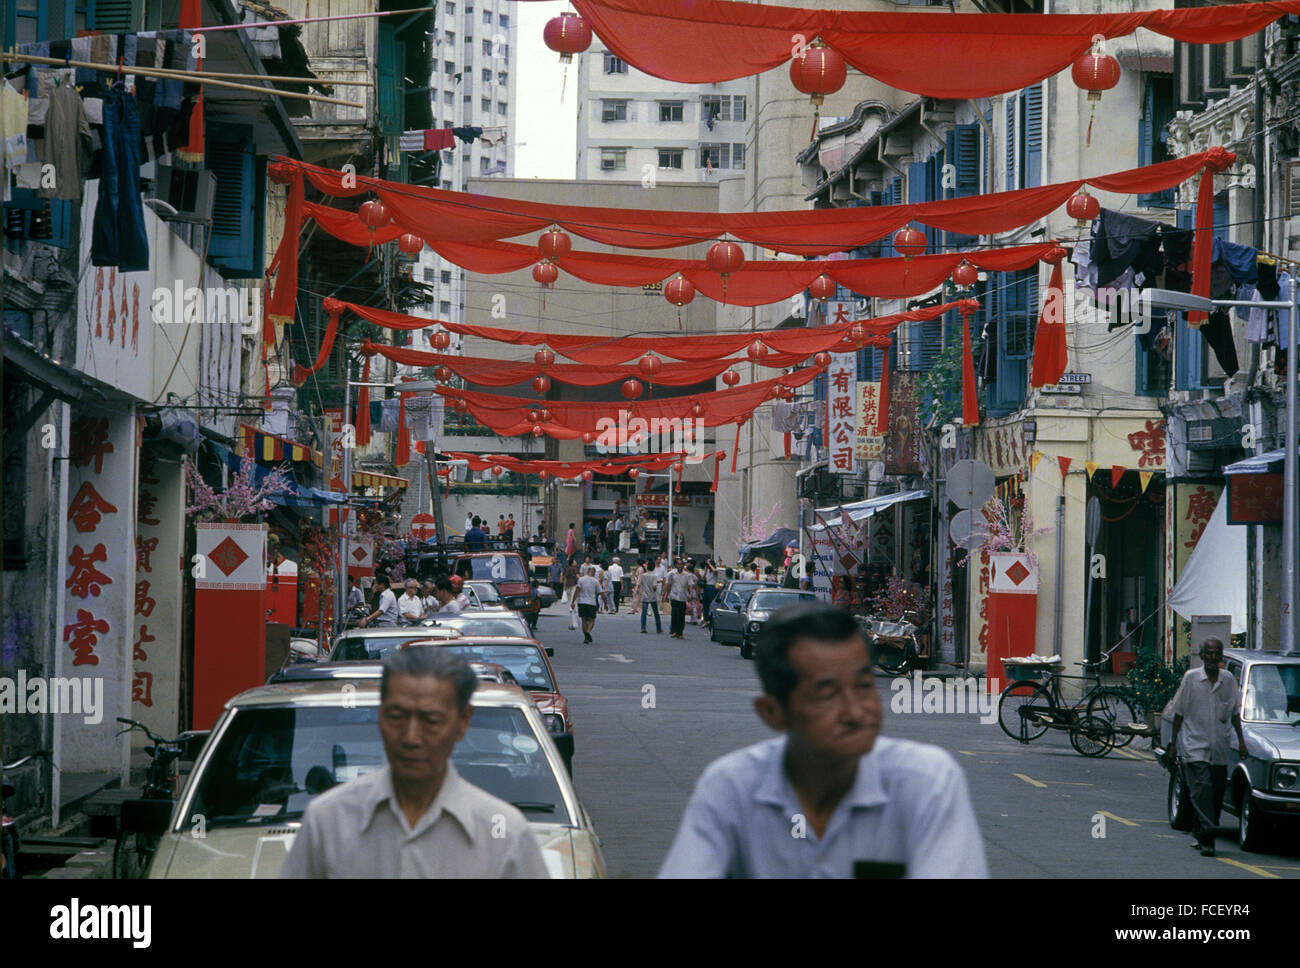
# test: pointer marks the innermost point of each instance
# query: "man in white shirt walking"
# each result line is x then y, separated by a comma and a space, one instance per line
585, 598
680, 583
1206, 702
385, 614
616, 583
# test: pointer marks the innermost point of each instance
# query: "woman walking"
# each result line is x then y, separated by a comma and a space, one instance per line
570, 579
636, 587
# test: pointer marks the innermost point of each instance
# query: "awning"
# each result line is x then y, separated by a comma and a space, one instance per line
298, 497
1269, 463
774, 543
1213, 581
861, 510
369, 479
260, 445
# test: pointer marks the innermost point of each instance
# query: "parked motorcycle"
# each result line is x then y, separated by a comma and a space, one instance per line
893, 644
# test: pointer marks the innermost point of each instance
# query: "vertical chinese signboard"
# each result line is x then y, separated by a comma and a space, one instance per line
229, 615
903, 442
155, 648
1188, 508
869, 446
98, 581
841, 405
335, 457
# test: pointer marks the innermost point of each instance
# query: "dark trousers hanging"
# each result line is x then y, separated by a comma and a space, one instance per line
118, 237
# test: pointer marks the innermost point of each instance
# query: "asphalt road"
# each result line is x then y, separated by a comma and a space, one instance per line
651, 712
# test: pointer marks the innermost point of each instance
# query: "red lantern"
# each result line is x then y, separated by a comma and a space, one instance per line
724, 257
543, 357
965, 275
440, 340
541, 383
756, 350
649, 365
543, 474
554, 244
537, 430
679, 290
587, 475
410, 244
459, 405
588, 438
909, 242
697, 409
544, 416
496, 470
822, 288
1095, 72
1083, 208
546, 273
567, 34
818, 71
633, 472
374, 214
442, 372
631, 389
858, 333
822, 360
730, 377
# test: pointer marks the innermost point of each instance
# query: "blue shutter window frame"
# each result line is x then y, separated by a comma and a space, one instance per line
1153, 139
963, 153
1018, 292
1010, 103
1031, 156
1189, 347
236, 242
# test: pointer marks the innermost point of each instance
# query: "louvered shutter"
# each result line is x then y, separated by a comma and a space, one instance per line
1032, 97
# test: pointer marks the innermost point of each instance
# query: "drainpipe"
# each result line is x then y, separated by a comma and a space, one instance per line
1261, 179
926, 127
880, 156
987, 125
861, 198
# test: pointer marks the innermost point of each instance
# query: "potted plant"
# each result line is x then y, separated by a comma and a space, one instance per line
1153, 683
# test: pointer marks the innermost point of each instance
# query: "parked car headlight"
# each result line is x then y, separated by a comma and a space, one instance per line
1286, 776
759, 616
554, 722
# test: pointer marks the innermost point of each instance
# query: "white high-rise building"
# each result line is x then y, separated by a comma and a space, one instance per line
472, 85
635, 127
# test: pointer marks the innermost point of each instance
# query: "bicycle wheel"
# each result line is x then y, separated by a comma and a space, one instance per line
893, 660
1092, 736
1112, 706
1025, 710
133, 854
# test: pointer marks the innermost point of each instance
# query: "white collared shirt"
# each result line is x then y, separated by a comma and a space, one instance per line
908, 805
1207, 710
357, 829
411, 606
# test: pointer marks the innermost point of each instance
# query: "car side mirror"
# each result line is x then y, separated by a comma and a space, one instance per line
564, 743
550, 651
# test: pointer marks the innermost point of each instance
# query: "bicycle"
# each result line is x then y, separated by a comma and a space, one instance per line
135, 848
1030, 706
893, 644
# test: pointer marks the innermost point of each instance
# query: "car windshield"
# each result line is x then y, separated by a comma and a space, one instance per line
525, 662
1272, 693
364, 648
485, 623
270, 762
771, 601
493, 568
739, 594
487, 592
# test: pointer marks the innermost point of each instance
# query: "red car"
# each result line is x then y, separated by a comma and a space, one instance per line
506, 570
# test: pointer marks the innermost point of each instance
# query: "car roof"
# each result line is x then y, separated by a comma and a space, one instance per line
403, 631
1261, 655
364, 677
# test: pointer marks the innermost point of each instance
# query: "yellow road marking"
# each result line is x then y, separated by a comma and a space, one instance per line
1127, 823
1030, 781
1249, 867
1124, 752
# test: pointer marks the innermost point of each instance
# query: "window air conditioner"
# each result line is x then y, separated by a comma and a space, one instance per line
188, 192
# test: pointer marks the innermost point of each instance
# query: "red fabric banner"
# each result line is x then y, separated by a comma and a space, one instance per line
572, 470
285, 263
363, 407
333, 310
970, 409
1050, 355
441, 216
603, 351
707, 41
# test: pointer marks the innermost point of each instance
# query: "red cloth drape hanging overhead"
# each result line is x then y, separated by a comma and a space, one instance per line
572, 470
363, 407
456, 217
333, 309
706, 41
970, 409
603, 351
1050, 354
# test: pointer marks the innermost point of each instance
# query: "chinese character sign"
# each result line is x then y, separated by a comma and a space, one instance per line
869, 447
841, 405
157, 592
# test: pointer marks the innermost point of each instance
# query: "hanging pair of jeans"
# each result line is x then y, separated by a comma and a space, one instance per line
118, 237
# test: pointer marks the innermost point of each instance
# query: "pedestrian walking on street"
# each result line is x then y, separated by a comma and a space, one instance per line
510, 527
1206, 702
679, 593
636, 587
616, 584
416, 816
385, 614
649, 591
570, 581
585, 598
694, 612
830, 797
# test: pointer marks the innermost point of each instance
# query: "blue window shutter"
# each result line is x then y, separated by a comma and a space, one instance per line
964, 156
1010, 103
114, 16
1008, 391
1187, 341
895, 198
918, 191
1032, 98
236, 243
389, 100
1157, 112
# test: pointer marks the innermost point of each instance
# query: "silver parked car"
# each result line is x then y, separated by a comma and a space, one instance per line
371, 645
761, 606
277, 746
728, 610
1263, 786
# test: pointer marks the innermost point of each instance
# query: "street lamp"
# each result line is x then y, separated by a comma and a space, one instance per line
1169, 299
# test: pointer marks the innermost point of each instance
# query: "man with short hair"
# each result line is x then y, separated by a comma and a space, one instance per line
510, 527
428, 598
501, 526
416, 816
616, 583
476, 537
830, 797
680, 583
650, 581
355, 597
385, 614
1206, 702
409, 606
445, 593
469, 521
586, 597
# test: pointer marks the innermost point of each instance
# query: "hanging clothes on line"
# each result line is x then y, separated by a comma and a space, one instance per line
468, 134
67, 144
1125, 242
